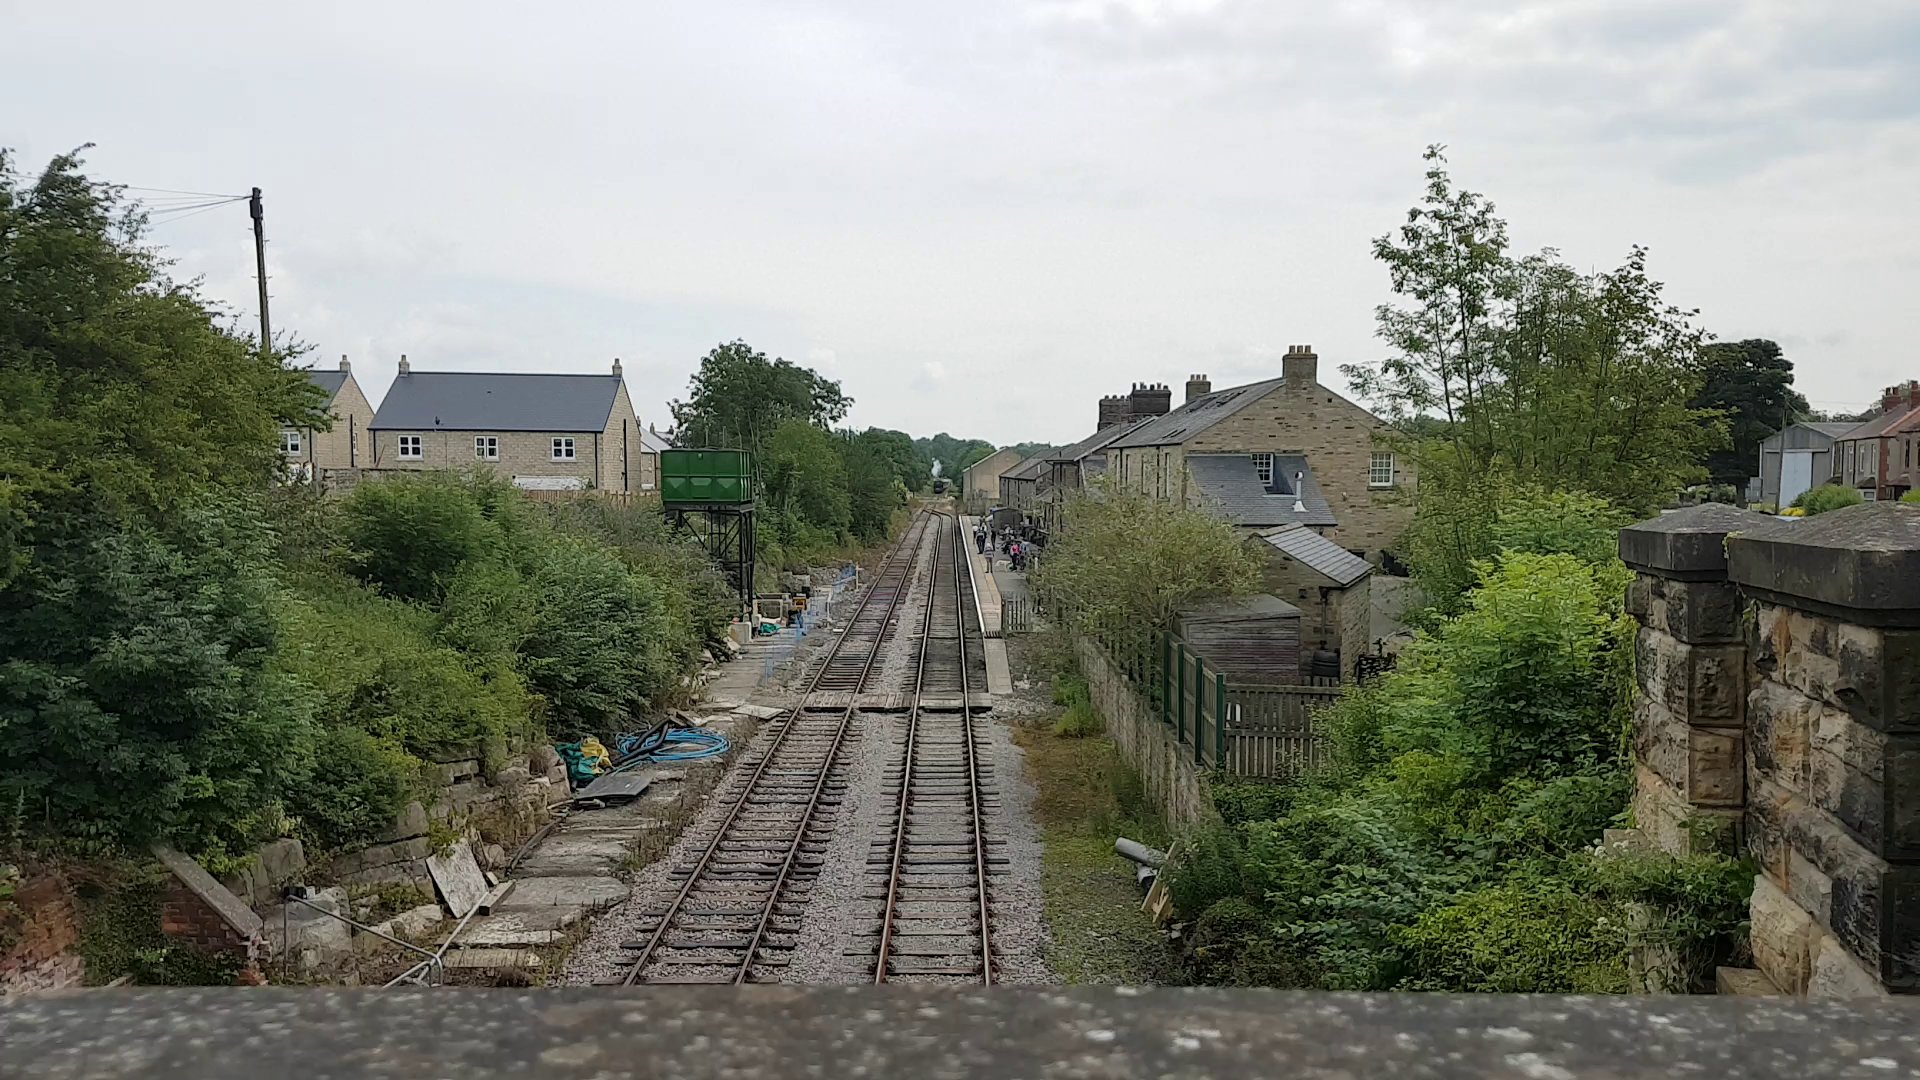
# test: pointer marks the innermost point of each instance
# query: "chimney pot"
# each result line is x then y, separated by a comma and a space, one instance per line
616, 365
1198, 386
405, 368
344, 365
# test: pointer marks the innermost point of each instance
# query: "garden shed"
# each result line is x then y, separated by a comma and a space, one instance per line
1249, 639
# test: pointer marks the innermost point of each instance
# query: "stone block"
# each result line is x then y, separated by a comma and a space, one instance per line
1689, 543
1706, 684
1836, 973
1872, 673
1869, 781
452, 772
511, 777
369, 858
1781, 937
1696, 612
1743, 982
314, 937
1779, 731
410, 925
1706, 766
542, 758
1864, 559
410, 823
1809, 887
1670, 824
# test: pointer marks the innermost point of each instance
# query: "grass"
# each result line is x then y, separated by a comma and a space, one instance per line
1085, 795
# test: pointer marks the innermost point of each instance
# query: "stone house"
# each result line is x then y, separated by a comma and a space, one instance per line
980, 481
1282, 451
310, 453
1330, 585
548, 432
1877, 456
651, 445
1020, 486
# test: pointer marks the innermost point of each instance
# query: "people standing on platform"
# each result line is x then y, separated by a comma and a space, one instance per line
980, 537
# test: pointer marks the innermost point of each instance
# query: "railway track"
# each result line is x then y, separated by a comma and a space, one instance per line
736, 913
932, 874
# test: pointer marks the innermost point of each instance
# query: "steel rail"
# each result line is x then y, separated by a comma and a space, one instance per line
903, 551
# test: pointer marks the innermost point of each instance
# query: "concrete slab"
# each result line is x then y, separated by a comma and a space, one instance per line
576, 852
592, 891
491, 959
458, 877
760, 712
999, 674
519, 929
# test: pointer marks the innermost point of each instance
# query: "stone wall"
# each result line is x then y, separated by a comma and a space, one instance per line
45, 929
1175, 784
1779, 677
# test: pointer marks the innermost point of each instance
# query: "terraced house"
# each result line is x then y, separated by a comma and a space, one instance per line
308, 452
550, 432
1285, 451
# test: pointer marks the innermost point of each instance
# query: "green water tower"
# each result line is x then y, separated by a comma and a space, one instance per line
709, 493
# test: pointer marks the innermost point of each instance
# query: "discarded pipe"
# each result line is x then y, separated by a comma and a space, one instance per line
1139, 852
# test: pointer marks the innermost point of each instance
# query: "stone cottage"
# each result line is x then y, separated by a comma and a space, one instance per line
310, 453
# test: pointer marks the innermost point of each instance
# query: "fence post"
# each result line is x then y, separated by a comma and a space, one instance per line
1180, 693
1220, 720
1166, 673
1199, 700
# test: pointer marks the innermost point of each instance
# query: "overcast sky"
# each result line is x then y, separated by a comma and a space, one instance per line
982, 216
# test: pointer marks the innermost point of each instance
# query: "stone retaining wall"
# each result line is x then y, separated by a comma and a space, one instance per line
1779, 678
1175, 784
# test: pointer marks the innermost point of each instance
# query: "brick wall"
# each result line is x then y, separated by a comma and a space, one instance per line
44, 955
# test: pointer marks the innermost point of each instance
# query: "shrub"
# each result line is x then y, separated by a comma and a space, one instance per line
1911, 496
1524, 935
1692, 910
358, 785
410, 535
1826, 497
1079, 721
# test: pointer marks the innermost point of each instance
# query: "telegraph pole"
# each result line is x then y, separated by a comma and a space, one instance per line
260, 262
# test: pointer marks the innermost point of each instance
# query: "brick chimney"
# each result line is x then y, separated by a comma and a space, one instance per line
1150, 399
1198, 386
405, 368
1301, 365
1904, 396
1114, 409
616, 366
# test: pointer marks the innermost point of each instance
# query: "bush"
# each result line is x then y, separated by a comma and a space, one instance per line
358, 786
410, 535
1525, 935
1079, 721
1911, 496
1826, 497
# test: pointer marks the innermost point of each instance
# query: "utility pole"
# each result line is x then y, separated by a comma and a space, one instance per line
260, 262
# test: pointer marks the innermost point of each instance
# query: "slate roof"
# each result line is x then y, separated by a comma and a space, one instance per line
329, 381
1093, 443
489, 401
1318, 553
1259, 606
652, 442
1887, 423
1230, 485
1029, 469
1197, 415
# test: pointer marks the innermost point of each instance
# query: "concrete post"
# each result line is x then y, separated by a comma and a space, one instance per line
1690, 660
1833, 748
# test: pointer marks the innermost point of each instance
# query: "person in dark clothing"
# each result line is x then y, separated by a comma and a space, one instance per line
980, 538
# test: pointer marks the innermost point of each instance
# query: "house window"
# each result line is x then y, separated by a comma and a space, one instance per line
290, 442
410, 448
1263, 465
563, 449
486, 447
1380, 469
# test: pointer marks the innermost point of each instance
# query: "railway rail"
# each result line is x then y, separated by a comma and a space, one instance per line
933, 870
737, 910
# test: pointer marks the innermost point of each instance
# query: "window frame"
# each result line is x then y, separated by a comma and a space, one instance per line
292, 442
1263, 467
486, 448
418, 444
1373, 469
565, 442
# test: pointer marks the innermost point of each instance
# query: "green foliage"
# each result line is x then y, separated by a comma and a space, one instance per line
1911, 497
1240, 799
1691, 909
1750, 383
1080, 721
1451, 537
953, 455
876, 489
739, 399
120, 934
360, 782
1527, 934
1126, 564
1827, 497
410, 536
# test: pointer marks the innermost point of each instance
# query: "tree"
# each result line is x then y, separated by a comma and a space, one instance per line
901, 455
1507, 371
874, 488
952, 455
806, 477
1750, 383
739, 398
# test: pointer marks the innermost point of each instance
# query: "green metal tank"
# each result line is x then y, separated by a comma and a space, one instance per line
706, 477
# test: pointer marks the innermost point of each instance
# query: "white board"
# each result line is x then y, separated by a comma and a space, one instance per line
550, 483
1796, 475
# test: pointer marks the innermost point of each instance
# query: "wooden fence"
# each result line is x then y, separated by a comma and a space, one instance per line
1016, 617
1255, 730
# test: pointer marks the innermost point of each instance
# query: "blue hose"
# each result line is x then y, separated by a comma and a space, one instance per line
668, 743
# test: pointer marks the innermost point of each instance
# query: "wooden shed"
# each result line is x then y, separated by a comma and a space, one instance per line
1251, 639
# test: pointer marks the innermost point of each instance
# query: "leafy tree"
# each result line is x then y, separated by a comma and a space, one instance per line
951, 454
409, 537
1531, 371
1451, 538
874, 488
897, 450
739, 399
805, 476
1126, 564
1750, 383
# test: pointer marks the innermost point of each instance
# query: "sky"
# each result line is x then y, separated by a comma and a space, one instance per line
980, 217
